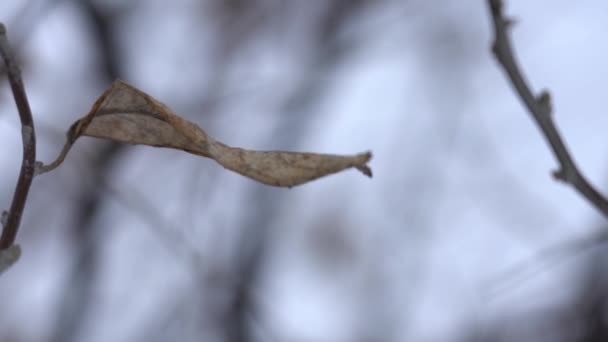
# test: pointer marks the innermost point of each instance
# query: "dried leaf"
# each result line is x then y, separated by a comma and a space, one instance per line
125, 114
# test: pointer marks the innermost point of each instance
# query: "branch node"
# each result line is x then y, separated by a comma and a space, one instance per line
567, 175
508, 23
559, 174
39, 168
495, 48
8, 257
544, 100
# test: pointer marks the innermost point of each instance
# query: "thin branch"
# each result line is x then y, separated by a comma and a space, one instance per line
26, 175
540, 109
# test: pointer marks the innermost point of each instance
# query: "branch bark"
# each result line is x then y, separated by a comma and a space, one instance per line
540, 110
26, 175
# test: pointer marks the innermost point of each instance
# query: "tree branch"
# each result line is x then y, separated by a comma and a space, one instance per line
540, 110
26, 175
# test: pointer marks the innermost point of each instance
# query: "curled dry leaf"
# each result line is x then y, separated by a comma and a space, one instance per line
125, 114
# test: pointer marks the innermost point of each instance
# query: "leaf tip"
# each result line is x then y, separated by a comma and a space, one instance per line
362, 167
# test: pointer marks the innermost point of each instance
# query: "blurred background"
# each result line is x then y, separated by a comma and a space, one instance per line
462, 234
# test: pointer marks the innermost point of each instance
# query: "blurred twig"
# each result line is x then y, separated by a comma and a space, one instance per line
542, 260
326, 53
26, 175
77, 296
540, 109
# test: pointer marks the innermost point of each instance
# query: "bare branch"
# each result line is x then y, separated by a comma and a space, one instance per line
540, 110
26, 175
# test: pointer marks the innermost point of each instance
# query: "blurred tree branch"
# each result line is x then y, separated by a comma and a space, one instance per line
254, 244
75, 300
540, 110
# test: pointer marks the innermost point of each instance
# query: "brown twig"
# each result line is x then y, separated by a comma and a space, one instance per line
26, 175
540, 109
